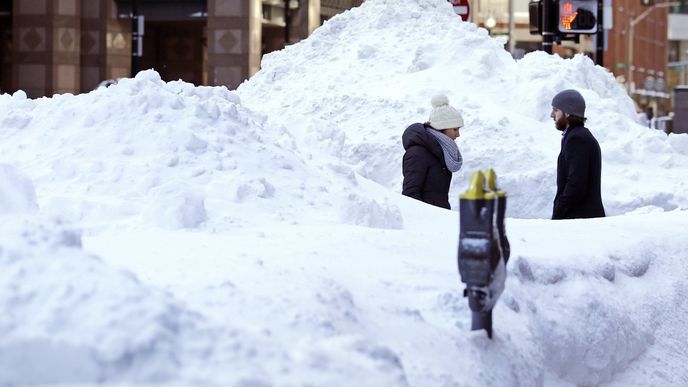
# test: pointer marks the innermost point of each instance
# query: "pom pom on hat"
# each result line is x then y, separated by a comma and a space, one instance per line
439, 100
444, 116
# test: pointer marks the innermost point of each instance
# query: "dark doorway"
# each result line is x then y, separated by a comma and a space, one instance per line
6, 46
176, 50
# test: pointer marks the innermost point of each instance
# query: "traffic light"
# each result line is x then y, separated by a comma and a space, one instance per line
559, 20
578, 16
535, 17
536, 11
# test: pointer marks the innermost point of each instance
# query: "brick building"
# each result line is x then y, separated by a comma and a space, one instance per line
640, 61
60, 46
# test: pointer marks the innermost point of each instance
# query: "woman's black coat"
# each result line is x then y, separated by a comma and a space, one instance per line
426, 176
579, 170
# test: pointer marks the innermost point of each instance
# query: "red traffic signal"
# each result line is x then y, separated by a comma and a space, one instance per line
578, 16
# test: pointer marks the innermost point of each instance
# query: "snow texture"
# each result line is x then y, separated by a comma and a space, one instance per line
158, 233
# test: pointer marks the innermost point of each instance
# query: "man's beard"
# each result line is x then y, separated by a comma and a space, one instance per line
561, 123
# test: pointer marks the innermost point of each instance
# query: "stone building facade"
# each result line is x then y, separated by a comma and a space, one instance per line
70, 46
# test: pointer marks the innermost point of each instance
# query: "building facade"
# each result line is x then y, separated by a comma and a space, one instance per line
678, 44
70, 46
638, 57
59, 46
637, 53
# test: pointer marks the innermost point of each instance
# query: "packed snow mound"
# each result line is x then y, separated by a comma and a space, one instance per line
79, 320
584, 300
173, 155
17, 194
540, 76
370, 72
287, 291
593, 313
68, 317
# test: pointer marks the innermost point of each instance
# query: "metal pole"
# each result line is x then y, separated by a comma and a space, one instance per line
286, 22
685, 69
629, 57
599, 53
547, 28
512, 42
135, 37
482, 320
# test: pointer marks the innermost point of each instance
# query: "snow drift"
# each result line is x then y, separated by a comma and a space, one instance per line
161, 233
372, 71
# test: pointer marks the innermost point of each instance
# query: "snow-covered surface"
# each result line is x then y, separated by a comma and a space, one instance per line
161, 233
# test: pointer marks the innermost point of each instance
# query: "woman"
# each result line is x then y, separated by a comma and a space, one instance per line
432, 155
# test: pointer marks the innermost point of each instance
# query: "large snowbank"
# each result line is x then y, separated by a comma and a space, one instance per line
163, 233
373, 70
174, 155
68, 317
17, 194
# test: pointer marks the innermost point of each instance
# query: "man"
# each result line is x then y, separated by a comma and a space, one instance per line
579, 166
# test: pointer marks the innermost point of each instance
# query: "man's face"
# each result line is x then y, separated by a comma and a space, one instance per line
559, 118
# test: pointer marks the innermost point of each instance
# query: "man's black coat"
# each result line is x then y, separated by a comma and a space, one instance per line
426, 176
579, 170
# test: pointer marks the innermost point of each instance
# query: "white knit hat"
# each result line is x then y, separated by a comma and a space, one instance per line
442, 115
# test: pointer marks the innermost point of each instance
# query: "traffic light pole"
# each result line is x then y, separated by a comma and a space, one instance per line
599, 53
134, 42
287, 26
547, 27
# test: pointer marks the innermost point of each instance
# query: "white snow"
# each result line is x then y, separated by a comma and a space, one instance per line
17, 194
157, 233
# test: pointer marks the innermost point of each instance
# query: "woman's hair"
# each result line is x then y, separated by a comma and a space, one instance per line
431, 127
574, 121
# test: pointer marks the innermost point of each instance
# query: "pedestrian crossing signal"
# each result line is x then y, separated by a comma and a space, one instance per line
578, 16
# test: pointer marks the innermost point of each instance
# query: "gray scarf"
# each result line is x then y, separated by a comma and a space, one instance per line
452, 156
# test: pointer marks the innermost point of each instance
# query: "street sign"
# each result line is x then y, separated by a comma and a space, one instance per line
462, 8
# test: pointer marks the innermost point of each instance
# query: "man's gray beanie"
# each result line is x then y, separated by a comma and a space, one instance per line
570, 101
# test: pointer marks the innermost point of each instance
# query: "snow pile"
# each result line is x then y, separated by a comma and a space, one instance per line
372, 71
173, 155
17, 194
594, 310
241, 221
586, 302
68, 317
